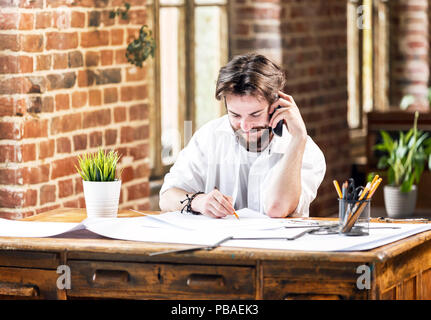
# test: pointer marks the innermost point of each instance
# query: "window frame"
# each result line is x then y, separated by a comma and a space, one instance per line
186, 62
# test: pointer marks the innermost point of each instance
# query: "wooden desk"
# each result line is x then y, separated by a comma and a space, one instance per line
106, 268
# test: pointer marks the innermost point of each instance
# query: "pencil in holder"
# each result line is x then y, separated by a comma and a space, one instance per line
354, 217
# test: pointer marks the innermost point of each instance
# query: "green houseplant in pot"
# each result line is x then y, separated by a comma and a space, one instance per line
404, 160
101, 183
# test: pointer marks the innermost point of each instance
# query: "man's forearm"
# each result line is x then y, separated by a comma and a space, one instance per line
284, 189
170, 199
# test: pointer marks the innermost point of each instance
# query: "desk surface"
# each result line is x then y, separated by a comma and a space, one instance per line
108, 268
105, 245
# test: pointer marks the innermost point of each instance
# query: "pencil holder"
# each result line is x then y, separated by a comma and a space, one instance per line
354, 217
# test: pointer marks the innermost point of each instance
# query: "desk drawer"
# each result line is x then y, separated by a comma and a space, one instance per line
22, 283
160, 281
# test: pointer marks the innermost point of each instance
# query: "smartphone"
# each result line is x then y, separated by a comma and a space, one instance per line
278, 130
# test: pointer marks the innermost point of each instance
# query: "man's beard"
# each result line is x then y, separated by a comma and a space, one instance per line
255, 145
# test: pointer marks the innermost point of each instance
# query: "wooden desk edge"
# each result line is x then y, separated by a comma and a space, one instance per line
379, 254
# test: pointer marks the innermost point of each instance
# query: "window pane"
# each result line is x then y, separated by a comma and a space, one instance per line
169, 83
210, 54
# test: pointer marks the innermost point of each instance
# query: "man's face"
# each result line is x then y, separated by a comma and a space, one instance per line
249, 118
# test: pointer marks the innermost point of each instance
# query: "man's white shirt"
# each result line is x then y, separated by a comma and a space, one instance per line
214, 158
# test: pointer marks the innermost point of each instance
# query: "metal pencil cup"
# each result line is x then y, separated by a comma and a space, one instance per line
354, 217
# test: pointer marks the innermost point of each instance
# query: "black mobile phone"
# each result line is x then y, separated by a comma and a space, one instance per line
278, 130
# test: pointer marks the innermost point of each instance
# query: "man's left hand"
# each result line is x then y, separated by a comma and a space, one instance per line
290, 114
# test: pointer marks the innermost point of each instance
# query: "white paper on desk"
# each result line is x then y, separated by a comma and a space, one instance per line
35, 229
248, 219
140, 229
335, 242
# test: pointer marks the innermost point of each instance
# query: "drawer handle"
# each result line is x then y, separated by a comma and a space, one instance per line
118, 276
18, 290
205, 280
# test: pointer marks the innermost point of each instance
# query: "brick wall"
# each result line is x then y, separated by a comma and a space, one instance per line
66, 88
309, 39
409, 49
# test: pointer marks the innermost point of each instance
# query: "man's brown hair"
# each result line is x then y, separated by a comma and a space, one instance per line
250, 74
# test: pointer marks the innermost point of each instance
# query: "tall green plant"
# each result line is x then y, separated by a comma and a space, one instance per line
405, 158
100, 166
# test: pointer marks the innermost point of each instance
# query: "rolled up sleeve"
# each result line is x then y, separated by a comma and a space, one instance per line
312, 174
189, 171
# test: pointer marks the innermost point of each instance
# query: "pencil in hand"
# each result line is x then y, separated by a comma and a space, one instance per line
235, 214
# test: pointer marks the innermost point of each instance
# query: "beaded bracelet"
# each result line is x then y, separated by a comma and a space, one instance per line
188, 205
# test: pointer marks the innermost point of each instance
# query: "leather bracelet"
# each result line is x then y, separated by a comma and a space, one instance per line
188, 205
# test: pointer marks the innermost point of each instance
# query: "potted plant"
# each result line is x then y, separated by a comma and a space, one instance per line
405, 160
101, 183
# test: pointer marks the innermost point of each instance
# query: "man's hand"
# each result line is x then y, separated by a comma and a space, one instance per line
288, 112
213, 204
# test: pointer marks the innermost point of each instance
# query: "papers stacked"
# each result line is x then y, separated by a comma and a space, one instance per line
175, 227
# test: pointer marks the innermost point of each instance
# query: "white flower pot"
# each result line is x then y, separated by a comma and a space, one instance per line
102, 198
399, 204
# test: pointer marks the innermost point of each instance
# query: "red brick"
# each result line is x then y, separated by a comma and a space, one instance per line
31, 42
17, 85
43, 62
79, 99
138, 191
96, 139
43, 20
62, 19
11, 176
10, 42
47, 194
28, 152
26, 21
92, 58
9, 130
120, 114
16, 215
78, 186
138, 112
141, 171
120, 56
30, 198
16, 64
63, 167
78, 19
140, 151
35, 175
7, 106
106, 57
9, 153
96, 118
35, 128
127, 174
95, 97
127, 134
110, 95
46, 149
11, 199
117, 37
66, 123
80, 142
9, 21
48, 208
94, 38
61, 40
110, 137
135, 74
62, 101
60, 61
65, 188
64, 145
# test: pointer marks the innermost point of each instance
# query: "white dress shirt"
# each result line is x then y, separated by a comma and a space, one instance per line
213, 158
